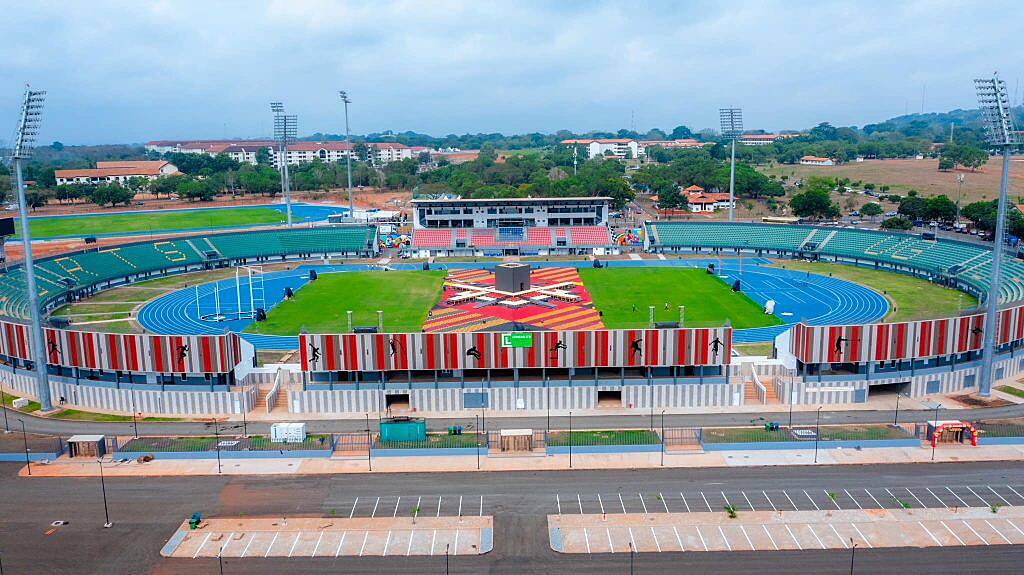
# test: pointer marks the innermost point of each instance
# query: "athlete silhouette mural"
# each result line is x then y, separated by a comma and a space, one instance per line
716, 345
183, 351
314, 353
474, 353
634, 348
838, 347
554, 349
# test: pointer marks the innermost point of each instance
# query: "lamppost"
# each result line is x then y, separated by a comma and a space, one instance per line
7, 425
732, 127
369, 443
663, 438
220, 559
935, 424
817, 429
24, 438
447, 545
135, 420
477, 417
103, 487
1000, 132
632, 552
348, 154
285, 132
853, 555
896, 418
570, 440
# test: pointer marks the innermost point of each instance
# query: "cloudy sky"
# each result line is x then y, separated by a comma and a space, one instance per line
129, 71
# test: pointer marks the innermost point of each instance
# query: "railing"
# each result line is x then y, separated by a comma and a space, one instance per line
762, 392
275, 390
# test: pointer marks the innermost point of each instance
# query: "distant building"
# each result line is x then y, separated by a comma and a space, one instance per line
816, 161
707, 202
621, 148
298, 152
686, 144
116, 172
763, 139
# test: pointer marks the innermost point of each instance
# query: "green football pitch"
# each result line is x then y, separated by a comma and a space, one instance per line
321, 306
151, 221
624, 295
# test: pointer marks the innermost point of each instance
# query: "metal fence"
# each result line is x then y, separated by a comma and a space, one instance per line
16, 442
804, 433
223, 443
436, 441
606, 437
999, 429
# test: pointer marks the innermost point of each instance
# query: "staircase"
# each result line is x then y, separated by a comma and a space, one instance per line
261, 400
770, 397
750, 393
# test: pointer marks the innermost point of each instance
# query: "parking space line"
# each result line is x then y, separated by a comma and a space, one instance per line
857, 503
579, 500
769, 499
439, 506
1015, 492
622, 504
816, 508
246, 550
998, 532
770, 538
271, 546
655, 537
376, 503
366, 535
201, 545
679, 539
456, 550
586, 537
460, 506
397, 501
943, 503
934, 538
998, 495
340, 543
663, 502
983, 540
726, 499
862, 536
916, 498
894, 498
793, 537
820, 542
749, 542
408, 549
353, 512
226, 543
879, 504
975, 493
1014, 525
701, 535
685, 504
481, 506
836, 531
317, 546
558, 502
748, 500
294, 543
416, 512
433, 540
611, 547
957, 496
387, 543
724, 538
953, 533
642, 503
791, 502
833, 499
706, 501
601, 503
631, 540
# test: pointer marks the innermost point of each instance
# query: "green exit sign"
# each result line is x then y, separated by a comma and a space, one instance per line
517, 339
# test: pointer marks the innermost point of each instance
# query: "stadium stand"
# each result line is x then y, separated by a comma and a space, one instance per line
964, 265
531, 238
85, 270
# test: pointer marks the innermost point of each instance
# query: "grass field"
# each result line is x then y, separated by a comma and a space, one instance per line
151, 221
912, 298
320, 306
624, 294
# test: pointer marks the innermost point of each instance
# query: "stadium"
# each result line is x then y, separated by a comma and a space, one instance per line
517, 306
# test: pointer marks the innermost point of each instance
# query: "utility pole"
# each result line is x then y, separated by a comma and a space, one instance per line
103, 486
348, 154
28, 129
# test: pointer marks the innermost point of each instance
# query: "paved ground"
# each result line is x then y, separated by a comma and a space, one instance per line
146, 512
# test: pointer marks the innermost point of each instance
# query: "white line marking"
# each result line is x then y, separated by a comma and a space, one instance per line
943, 503
957, 497
679, 539
769, 499
366, 535
725, 498
481, 506
397, 501
873, 498
894, 498
998, 532
655, 537
816, 508
631, 540
748, 500
601, 503
386, 543
975, 532
353, 512
699, 534
439, 506
770, 538
832, 499
340, 543
558, 502
916, 498
855, 502
724, 538
408, 550
997, 494
862, 536
1012, 524
611, 547
975, 493
642, 503
791, 502
935, 539
795, 540
811, 529
685, 504
374, 512
586, 537
1015, 492
951, 532
201, 545
271, 546
706, 501
622, 504
580, 501
663, 502
841, 540
455, 551
749, 542
246, 550
433, 540
294, 543
416, 512
460, 506
317, 546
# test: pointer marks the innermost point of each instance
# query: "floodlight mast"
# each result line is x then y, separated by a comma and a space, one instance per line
285, 131
732, 127
1000, 133
348, 154
28, 128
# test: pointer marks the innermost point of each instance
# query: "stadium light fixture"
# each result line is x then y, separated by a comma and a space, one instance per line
994, 105
732, 127
28, 129
348, 153
285, 132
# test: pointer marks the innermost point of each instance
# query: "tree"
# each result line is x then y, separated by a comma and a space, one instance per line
195, 189
263, 157
815, 201
946, 163
939, 208
112, 194
165, 185
912, 207
35, 199
871, 210
897, 223
681, 133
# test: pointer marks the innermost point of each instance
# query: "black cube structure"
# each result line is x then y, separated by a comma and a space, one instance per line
512, 278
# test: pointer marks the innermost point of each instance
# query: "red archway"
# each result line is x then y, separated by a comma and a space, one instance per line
943, 426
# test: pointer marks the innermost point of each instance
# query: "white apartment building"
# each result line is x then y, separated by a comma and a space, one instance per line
621, 148
116, 172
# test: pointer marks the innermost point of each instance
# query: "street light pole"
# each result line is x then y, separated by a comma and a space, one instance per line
369, 443
446, 558
817, 431
896, 418
216, 434
935, 427
103, 486
24, 437
348, 153
7, 425
570, 439
477, 417
663, 438
853, 555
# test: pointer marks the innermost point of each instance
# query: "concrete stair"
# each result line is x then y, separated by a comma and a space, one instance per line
261, 400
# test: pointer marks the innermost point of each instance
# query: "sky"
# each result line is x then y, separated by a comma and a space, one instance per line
129, 71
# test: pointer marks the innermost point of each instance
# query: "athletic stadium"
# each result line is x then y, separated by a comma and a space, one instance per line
516, 306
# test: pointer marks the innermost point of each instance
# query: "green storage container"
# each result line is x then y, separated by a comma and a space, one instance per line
403, 429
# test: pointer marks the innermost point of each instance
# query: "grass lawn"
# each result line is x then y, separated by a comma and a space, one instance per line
1011, 390
92, 416
754, 348
8, 400
709, 301
611, 437
320, 306
436, 440
913, 298
151, 221
832, 432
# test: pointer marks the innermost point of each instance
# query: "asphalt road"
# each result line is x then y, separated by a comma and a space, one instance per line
63, 427
146, 511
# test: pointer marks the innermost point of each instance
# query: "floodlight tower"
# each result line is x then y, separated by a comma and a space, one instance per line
348, 154
28, 128
732, 127
285, 131
1000, 133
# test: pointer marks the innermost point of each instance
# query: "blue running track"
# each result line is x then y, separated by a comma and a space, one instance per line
798, 297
